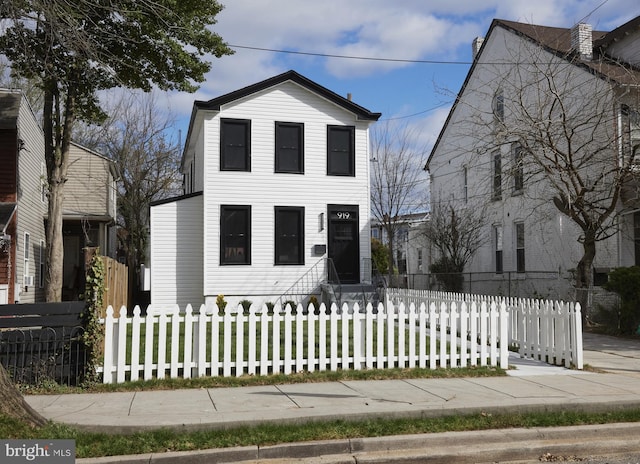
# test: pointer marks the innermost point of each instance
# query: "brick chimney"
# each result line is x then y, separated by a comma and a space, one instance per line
475, 46
582, 41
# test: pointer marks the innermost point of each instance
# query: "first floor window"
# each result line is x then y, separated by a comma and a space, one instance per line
497, 243
520, 247
636, 237
26, 253
289, 235
42, 260
235, 234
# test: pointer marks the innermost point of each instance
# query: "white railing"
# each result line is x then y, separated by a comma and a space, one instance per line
206, 343
549, 331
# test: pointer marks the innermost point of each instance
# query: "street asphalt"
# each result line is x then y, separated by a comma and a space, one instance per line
531, 386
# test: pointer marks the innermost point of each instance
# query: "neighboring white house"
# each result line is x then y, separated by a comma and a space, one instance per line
481, 161
412, 251
276, 179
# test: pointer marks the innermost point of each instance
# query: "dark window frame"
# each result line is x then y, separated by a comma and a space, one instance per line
498, 106
281, 240
518, 170
497, 175
332, 169
498, 246
280, 161
225, 260
225, 161
520, 247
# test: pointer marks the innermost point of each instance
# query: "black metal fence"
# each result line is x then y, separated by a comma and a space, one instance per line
42, 343
530, 284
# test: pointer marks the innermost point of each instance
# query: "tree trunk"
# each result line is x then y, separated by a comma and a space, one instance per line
583, 274
14, 405
55, 247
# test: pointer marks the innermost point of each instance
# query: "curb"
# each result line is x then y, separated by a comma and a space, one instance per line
459, 447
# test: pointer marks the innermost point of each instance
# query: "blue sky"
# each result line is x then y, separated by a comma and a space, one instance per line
434, 30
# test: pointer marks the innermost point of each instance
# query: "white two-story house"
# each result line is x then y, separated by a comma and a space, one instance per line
539, 142
276, 180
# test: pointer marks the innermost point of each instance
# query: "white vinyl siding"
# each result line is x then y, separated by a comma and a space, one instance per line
31, 209
264, 190
176, 254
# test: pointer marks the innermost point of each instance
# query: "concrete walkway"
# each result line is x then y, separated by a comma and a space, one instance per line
532, 386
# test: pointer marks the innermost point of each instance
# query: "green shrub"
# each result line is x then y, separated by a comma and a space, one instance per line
625, 281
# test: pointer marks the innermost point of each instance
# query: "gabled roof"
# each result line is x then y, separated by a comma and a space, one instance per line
216, 103
557, 40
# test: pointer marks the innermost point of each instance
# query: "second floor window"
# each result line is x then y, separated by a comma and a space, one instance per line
235, 145
289, 147
341, 151
518, 171
497, 176
631, 134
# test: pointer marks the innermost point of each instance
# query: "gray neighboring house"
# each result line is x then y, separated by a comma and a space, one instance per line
532, 248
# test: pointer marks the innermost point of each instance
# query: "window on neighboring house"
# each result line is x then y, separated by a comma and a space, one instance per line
520, 267
636, 236
341, 151
235, 234
289, 147
43, 183
420, 260
235, 146
518, 170
41, 264
498, 106
289, 234
497, 244
497, 175
27, 240
465, 183
631, 134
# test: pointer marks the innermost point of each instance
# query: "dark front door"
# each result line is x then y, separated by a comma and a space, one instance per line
344, 243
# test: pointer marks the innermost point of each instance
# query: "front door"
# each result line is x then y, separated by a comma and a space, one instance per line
344, 243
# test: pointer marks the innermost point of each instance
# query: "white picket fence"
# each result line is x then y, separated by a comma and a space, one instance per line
545, 330
206, 343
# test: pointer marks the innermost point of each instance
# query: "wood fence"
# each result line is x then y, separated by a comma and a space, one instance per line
208, 343
116, 284
549, 331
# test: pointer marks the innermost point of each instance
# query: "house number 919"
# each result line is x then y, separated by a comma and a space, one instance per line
343, 215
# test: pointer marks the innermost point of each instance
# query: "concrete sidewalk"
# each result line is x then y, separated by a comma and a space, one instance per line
532, 386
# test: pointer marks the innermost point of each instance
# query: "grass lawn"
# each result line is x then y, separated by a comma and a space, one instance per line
96, 444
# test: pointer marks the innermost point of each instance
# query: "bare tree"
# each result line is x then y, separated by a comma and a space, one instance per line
456, 234
141, 140
396, 178
74, 49
567, 122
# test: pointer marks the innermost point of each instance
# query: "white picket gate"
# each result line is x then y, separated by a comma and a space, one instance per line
207, 343
545, 330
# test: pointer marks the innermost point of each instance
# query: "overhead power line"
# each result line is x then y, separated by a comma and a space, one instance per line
349, 57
